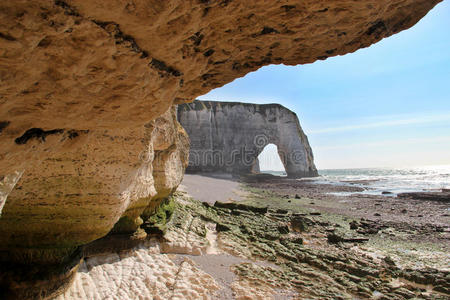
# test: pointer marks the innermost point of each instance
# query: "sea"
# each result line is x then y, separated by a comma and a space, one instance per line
386, 181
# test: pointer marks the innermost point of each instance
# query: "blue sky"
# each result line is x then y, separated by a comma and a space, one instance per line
383, 106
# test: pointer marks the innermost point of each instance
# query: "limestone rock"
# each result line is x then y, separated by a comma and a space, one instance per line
229, 136
79, 81
64, 201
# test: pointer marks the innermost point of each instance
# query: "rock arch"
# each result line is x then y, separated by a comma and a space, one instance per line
229, 136
267, 156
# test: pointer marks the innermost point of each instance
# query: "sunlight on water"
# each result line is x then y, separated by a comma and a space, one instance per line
432, 178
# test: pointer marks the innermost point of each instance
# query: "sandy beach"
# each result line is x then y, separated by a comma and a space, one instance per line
213, 187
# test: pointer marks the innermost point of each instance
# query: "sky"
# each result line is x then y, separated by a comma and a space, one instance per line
383, 106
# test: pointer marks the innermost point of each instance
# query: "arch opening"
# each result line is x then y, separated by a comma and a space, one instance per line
270, 162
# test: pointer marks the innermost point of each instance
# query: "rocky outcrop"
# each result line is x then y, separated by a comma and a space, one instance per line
58, 204
229, 136
81, 80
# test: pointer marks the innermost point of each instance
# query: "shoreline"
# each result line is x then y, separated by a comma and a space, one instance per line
284, 239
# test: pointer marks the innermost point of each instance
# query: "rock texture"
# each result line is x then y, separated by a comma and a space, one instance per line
80, 81
229, 136
142, 273
60, 203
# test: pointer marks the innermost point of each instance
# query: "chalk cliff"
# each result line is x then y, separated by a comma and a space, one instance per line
82, 84
229, 136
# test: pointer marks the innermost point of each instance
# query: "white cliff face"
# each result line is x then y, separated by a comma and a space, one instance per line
229, 136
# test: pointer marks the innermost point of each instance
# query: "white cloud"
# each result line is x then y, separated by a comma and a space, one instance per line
390, 122
384, 143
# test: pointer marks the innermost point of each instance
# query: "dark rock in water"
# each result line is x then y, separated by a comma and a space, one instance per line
297, 196
443, 196
315, 213
386, 193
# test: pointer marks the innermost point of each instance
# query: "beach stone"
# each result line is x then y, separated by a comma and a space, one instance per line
443, 196
354, 225
300, 224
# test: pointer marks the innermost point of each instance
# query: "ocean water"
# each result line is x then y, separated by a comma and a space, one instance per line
378, 180
394, 180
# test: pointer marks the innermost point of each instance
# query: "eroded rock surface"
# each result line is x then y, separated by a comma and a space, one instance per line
66, 200
229, 136
260, 255
79, 81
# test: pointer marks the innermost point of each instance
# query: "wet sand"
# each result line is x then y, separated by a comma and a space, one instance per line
430, 220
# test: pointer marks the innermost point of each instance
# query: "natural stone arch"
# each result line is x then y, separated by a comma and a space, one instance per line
238, 132
266, 151
82, 82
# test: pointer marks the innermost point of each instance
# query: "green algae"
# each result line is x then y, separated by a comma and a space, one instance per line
304, 261
157, 222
